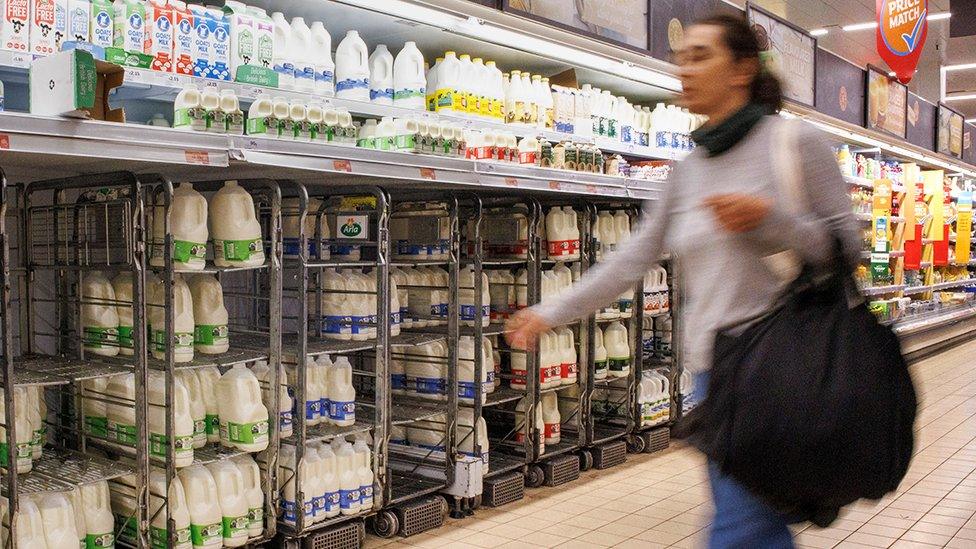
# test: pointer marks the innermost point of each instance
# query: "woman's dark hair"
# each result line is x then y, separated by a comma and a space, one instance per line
746, 42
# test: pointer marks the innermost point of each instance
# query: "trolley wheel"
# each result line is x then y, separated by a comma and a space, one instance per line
636, 444
534, 477
445, 507
476, 502
586, 460
386, 524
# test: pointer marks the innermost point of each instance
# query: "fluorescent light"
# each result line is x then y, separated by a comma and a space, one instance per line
971, 120
963, 97
818, 32
940, 16
959, 67
860, 26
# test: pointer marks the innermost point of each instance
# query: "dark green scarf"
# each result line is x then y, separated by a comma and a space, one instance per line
722, 137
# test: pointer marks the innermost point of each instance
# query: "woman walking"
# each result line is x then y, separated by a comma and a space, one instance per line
724, 215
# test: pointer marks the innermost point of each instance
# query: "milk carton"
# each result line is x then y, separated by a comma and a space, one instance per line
102, 23
243, 47
130, 26
264, 39
15, 26
201, 53
49, 26
79, 20
183, 38
219, 44
160, 35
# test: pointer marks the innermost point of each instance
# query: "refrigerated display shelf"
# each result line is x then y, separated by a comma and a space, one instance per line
410, 411
859, 181
43, 370
213, 269
881, 290
557, 389
501, 395
605, 433
34, 483
487, 331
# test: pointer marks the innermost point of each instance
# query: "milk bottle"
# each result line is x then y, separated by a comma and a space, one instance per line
481, 87
342, 395
291, 222
78, 514
358, 305
496, 95
261, 119
567, 347
403, 296
599, 355
381, 76
93, 509
385, 134
352, 68
618, 350
514, 102
120, 411
647, 390
235, 228
528, 150
449, 95
230, 108
336, 307
330, 480
204, 502
31, 527
367, 135
489, 364
283, 63
263, 373
428, 374
621, 226
178, 511
210, 103
99, 316
466, 296
181, 417
314, 396
233, 502
409, 82
209, 377
183, 327
243, 417
37, 413
550, 418
468, 387
525, 429
188, 227
531, 116
288, 472
210, 318
300, 46
432, 84
25, 437
350, 496
324, 67
198, 408
313, 486
550, 360
253, 494
122, 286
364, 460
188, 111
466, 435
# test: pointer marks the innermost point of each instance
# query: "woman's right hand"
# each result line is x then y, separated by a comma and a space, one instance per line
522, 330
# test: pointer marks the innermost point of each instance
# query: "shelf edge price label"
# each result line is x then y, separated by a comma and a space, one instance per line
4, 141
511, 182
197, 157
555, 185
591, 188
428, 173
342, 166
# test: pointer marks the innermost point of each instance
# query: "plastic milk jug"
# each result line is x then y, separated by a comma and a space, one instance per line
300, 46
599, 355
468, 387
210, 103
38, 415
313, 486
235, 228
449, 96
283, 63
618, 350
342, 395
465, 435
314, 396
198, 407
253, 494
230, 108
209, 377
349, 488
324, 66
567, 346
285, 402
182, 319
95, 507
288, 472
550, 418
94, 408
122, 285
381, 76
335, 307
99, 316
432, 86
25, 437
365, 469
120, 412
233, 502
210, 334
30, 525
182, 421
188, 226
396, 310
243, 416
188, 112
385, 134
330, 480
409, 82
178, 512
523, 428
203, 501
352, 68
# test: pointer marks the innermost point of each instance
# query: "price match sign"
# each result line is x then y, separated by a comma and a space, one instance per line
901, 33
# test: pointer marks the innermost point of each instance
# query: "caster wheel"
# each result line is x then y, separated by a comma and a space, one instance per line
534, 477
586, 460
476, 502
445, 507
386, 524
636, 444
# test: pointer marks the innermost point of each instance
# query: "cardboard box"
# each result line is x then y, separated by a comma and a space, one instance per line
15, 26
76, 85
49, 26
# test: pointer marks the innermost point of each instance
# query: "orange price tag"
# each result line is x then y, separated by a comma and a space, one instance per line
342, 165
197, 157
511, 182
4, 141
590, 188
428, 173
555, 185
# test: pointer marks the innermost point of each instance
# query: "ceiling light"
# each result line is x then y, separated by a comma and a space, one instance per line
860, 26
960, 67
963, 97
971, 120
818, 32
940, 16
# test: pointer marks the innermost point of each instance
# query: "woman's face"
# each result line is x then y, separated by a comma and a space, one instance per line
708, 71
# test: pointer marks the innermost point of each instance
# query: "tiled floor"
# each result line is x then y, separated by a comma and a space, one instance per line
662, 500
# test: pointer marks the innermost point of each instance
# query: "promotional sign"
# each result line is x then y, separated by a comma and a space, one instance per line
887, 103
840, 88
621, 21
921, 122
950, 131
789, 52
902, 29
669, 19
964, 226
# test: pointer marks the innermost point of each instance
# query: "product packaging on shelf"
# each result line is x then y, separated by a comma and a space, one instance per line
74, 84
79, 20
201, 41
159, 35
219, 44
102, 23
15, 26
183, 38
130, 26
49, 26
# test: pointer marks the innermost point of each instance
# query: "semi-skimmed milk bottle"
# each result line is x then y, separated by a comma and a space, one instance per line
120, 410
99, 316
198, 407
243, 416
525, 428
181, 421
178, 512
30, 525
188, 227
188, 111
253, 494
233, 502
352, 68
23, 445
365, 463
409, 82
616, 341
122, 285
210, 334
381, 76
209, 376
285, 418
342, 394
203, 501
96, 508
349, 488
235, 228
324, 66
467, 428
283, 64
183, 325
302, 55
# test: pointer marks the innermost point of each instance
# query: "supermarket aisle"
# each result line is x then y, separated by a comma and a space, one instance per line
662, 500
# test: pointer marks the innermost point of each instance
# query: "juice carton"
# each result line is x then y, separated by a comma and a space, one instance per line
130, 26
201, 41
15, 26
102, 23
49, 26
79, 20
219, 45
182, 38
159, 22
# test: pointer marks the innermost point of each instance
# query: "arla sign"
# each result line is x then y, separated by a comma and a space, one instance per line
902, 29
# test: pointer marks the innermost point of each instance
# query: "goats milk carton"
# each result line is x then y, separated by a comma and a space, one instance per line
219, 44
49, 26
15, 26
130, 26
201, 41
159, 30
102, 23
79, 20
183, 35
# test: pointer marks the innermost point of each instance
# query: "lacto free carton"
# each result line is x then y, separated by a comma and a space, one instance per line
219, 44
102, 23
159, 19
243, 45
79, 20
49, 26
183, 35
15, 27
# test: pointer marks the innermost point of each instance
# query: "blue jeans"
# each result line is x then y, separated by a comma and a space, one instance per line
741, 520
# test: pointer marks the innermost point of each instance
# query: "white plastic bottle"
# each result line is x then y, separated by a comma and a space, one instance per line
289, 471
188, 227
302, 54
409, 82
285, 402
122, 285
209, 376
181, 421
432, 84
243, 416
203, 502
525, 428
599, 355
364, 460
57, 515
342, 394
531, 99
314, 396
30, 526
466, 296
210, 335
188, 112
616, 340
449, 96
350, 496
468, 386
210, 103
77, 511
381, 76
330, 480
465, 435
233, 502
481, 89
385, 134
198, 407
230, 106
324, 66
253, 494
96, 507
235, 228
99, 316
284, 65
120, 414
352, 68
178, 512
183, 325
550, 418
335, 306
567, 347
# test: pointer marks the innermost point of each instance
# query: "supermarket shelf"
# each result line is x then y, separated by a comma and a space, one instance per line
915, 290
924, 264
891, 254
414, 339
608, 380
234, 356
77, 468
940, 286
557, 389
564, 446
326, 433
407, 486
497, 262
317, 347
500, 462
213, 269
212, 453
490, 330
502, 395
411, 410
615, 319
859, 181
912, 325
869, 217
606, 433
51, 370
881, 290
